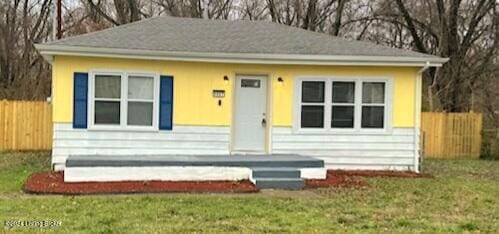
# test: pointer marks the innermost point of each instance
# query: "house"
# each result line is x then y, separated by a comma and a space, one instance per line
180, 93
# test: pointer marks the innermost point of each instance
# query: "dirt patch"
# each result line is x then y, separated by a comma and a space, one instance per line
53, 183
372, 173
334, 179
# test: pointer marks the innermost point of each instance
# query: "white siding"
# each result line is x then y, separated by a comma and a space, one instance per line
392, 150
182, 140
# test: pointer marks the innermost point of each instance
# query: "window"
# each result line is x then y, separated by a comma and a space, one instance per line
343, 103
107, 99
312, 104
373, 104
140, 100
250, 83
121, 99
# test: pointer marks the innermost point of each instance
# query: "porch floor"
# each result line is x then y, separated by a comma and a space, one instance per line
250, 161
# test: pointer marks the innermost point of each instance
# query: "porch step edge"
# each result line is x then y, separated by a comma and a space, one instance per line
279, 183
279, 172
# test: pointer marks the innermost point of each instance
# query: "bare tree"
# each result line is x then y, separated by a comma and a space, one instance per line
117, 12
252, 10
217, 9
310, 14
23, 73
448, 29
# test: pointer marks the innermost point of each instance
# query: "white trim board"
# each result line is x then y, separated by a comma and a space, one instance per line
245, 58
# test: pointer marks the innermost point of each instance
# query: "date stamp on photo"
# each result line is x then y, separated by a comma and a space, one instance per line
32, 223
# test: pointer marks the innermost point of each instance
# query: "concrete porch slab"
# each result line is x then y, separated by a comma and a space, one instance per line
250, 161
265, 171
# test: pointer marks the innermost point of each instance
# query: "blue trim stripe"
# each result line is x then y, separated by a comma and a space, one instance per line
80, 94
165, 102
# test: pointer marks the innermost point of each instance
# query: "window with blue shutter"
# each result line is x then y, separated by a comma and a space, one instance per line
80, 91
165, 102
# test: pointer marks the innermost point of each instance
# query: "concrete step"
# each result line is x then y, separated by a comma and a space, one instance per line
275, 172
280, 183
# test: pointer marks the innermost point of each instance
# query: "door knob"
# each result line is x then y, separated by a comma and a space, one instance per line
264, 122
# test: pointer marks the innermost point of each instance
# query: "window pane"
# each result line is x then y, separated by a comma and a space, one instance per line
312, 91
140, 87
107, 112
343, 92
250, 83
342, 117
140, 113
312, 116
373, 116
373, 92
107, 86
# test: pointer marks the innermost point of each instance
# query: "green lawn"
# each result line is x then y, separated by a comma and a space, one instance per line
464, 196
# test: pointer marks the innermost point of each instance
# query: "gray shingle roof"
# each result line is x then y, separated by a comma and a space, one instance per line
233, 37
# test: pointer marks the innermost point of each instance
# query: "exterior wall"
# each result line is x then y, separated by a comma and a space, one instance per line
393, 150
194, 82
201, 126
182, 140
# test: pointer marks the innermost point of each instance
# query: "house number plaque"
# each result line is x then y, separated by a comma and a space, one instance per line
218, 93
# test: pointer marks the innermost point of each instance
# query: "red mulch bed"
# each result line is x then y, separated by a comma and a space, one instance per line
344, 179
53, 183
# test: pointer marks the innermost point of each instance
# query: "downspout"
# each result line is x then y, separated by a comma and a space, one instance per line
417, 113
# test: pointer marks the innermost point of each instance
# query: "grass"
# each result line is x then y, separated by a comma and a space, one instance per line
463, 197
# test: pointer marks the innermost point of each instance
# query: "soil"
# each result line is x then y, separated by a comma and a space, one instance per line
334, 179
53, 183
372, 173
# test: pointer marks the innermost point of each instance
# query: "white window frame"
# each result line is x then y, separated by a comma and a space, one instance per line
384, 104
324, 104
387, 125
355, 103
123, 101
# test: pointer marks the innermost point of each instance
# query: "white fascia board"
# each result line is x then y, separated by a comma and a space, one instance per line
245, 58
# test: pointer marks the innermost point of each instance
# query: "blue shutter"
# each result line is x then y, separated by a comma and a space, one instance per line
80, 91
165, 102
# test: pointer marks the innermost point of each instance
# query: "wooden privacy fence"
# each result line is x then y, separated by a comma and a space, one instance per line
25, 125
452, 135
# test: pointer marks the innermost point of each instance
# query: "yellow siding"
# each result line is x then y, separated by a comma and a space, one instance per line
194, 82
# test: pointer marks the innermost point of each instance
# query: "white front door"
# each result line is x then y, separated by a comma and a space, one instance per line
250, 117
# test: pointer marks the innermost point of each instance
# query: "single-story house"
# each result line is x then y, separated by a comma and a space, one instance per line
187, 99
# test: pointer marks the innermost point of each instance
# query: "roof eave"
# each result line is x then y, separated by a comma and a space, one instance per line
50, 50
